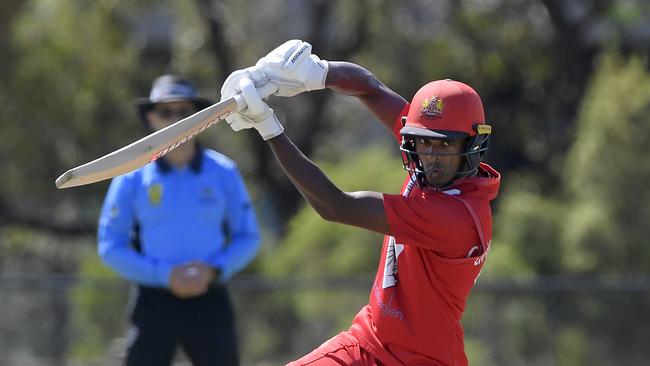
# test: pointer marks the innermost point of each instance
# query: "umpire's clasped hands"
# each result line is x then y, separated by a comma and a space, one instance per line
292, 67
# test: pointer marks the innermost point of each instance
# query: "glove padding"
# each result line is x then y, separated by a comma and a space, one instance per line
230, 87
257, 114
293, 68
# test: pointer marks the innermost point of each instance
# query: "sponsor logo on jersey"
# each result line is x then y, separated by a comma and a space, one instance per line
390, 270
387, 308
481, 258
432, 107
475, 249
207, 195
154, 192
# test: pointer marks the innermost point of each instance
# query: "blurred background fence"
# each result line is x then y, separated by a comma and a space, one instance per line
545, 321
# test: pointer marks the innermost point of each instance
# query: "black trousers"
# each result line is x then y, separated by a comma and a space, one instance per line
203, 326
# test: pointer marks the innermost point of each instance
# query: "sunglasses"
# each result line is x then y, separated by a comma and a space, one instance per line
169, 113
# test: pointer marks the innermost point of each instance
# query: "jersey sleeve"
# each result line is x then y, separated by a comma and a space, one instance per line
242, 226
114, 237
435, 221
397, 126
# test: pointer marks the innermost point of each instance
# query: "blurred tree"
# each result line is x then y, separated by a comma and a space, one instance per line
320, 23
529, 59
68, 82
595, 221
94, 313
38, 324
68, 91
606, 230
314, 247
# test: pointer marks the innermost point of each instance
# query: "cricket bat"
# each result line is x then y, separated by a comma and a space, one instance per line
155, 145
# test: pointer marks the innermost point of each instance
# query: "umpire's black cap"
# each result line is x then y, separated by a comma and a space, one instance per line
170, 88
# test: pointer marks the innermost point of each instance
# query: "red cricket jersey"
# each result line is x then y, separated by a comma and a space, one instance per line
427, 269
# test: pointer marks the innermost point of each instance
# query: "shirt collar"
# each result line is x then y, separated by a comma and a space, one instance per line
195, 164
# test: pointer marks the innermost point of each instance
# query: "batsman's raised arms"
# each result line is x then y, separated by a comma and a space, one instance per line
155, 145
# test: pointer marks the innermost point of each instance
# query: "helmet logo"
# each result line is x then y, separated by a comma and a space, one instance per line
432, 107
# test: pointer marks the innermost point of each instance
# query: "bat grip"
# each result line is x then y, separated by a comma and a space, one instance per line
264, 91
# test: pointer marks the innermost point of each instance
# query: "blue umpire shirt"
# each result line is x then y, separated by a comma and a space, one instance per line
182, 215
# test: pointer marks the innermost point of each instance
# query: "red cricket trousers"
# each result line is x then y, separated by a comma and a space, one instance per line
342, 350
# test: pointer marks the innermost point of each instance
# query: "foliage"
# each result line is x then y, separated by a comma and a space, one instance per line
314, 248
527, 236
593, 223
70, 75
606, 170
39, 263
95, 304
571, 136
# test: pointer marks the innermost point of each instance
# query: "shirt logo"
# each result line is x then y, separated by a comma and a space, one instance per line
207, 195
480, 259
390, 270
432, 107
154, 192
387, 308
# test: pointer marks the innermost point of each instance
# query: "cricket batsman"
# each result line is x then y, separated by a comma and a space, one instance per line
437, 231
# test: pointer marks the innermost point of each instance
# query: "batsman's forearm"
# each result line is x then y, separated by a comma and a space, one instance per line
312, 183
351, 79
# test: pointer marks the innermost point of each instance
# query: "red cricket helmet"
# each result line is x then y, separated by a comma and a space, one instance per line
445, 109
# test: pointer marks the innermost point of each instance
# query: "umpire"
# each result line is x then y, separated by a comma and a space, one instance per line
179, 228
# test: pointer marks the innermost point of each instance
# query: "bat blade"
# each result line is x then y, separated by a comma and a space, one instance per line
155, 145
147, 149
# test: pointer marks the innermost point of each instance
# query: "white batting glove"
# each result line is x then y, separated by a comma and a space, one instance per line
294, 68
230, 87
257, 114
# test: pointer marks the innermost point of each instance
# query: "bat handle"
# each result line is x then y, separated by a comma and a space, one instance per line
264, 91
